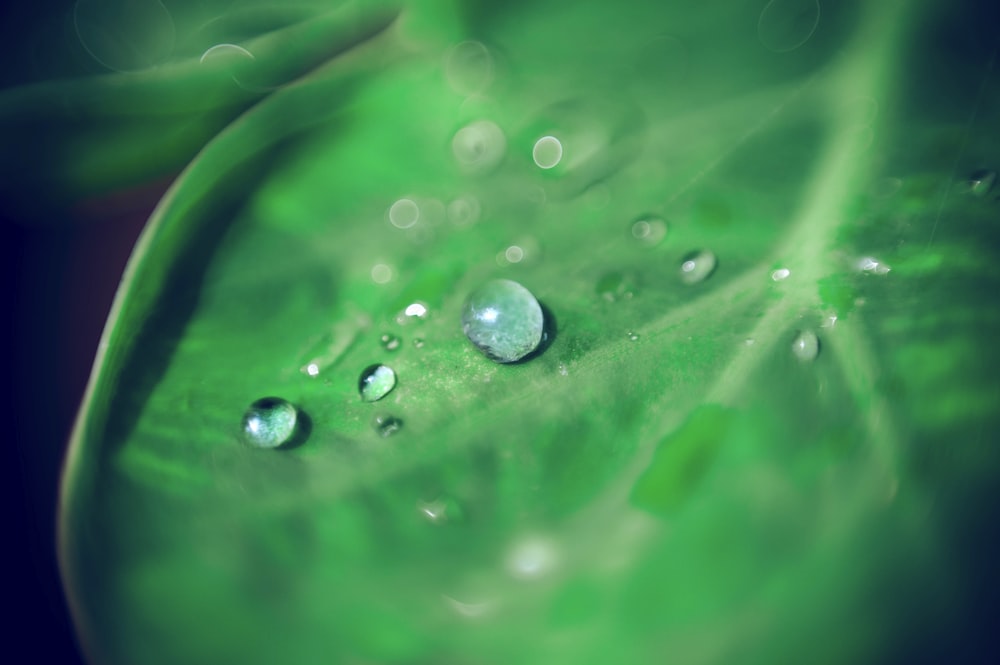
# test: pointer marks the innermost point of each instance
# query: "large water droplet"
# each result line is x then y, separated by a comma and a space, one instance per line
503, 319
479, 147
806, 346
785, 25
376, 382
982, 181
386, 425
698, 266
269, 422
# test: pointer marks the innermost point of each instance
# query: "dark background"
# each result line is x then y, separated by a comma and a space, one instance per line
61, 264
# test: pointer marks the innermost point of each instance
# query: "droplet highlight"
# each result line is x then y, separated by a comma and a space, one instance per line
270, 422
698, 266
376, 382
503, 320
786, 25
805, 347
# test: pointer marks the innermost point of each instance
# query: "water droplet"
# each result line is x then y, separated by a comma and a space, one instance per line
386, 425
381, 273
548, 152
563, 370
982, 181
806, 346
503, 320
468, 67
125, 35
376, 382
390, 342
418, 343
780, 274
649, 230
615, 286
404, 213
785, 25
513, 254
698, 266
632, 336
829, 321
269, 422
872, 266
312, 369
464, 210
479, 147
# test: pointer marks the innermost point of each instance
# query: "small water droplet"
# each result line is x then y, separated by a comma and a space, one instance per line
982, 181
376, 382
806, 346
633, 336
439, 510
386, 425
615, 286
698, 266
312, 369
785, 25
389, 342
563, 370
503, 320
381, 273
479, 147
548, 152
269, 422
649, 230
404, 213
468, 67
829, 321
780, 274
418, 343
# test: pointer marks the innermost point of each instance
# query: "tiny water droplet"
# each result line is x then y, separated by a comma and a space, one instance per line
982, 181
269, 422
418, 343
479, 147
390, 342
503, 320
649, 230
563, 370
615, 286
780, 274
312, 369
386, 425
439, 510
633, 336
376, 382
547, 153
415, 310
806, 346
698, 266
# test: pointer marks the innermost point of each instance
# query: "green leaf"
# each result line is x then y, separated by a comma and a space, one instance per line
665, 476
